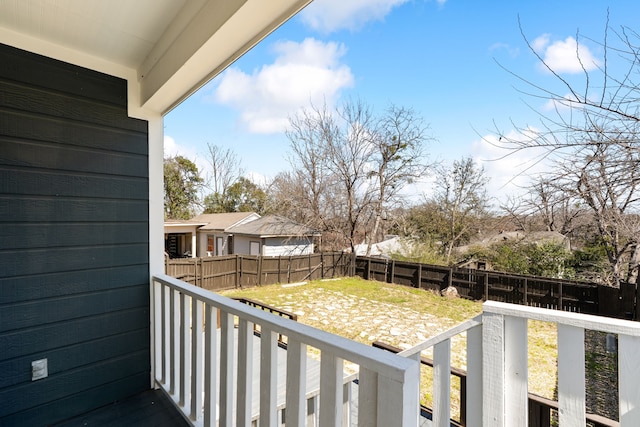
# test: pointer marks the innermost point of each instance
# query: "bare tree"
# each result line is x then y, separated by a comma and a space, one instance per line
546, 207
399, 160
593, 135
350, 165
225, 171
606, 178
461, 199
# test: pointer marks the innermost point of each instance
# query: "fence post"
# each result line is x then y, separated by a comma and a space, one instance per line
259, 270
450, 278
419, 284
393, 271
322, 265
368, 269
486, 286
237, 271
310, 269
526, 291
279, 268
560, 301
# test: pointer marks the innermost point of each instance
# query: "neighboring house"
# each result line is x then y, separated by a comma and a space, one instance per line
385, 249
180, 238
213, 237
272, 235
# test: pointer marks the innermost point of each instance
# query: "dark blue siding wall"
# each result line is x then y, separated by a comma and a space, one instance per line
74, 266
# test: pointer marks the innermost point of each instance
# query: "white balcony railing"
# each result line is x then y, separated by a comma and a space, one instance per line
207, 362
497, 377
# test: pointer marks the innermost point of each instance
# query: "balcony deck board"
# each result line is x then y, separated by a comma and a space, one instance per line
148, 409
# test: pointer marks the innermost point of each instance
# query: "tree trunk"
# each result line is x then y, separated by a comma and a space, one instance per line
634, 262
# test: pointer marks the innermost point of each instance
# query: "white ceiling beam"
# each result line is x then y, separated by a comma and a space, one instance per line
218, 34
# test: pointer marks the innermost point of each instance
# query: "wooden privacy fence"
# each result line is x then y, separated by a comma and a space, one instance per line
242, 271
581, 297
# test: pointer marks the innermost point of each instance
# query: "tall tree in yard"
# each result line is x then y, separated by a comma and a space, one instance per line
225, 171
242, 196
398, 160
592, 138
351, 165
182, 182
461, 201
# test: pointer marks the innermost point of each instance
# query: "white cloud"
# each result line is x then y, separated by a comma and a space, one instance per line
565, 56
332, 15
303, 73
509, 171
172, 149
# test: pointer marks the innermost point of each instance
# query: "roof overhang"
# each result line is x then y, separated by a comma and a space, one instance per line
166, 49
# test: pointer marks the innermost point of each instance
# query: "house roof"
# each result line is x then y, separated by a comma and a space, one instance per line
273, 226
222, 221
182, 223
166, 49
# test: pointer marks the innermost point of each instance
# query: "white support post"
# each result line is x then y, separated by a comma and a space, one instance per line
296, 402
245, 373
268, 378
474, 377
516, 371
158, 331
210, 363
394, 397
185, 347
346, 403
173, 348
571, 374
628, 379
226, 369
196, 360
493, 370
442, 384
331, 372
367, 397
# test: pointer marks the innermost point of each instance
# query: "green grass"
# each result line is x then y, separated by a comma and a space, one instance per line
365, 311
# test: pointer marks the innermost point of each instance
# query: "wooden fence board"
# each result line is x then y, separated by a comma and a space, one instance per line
236, 271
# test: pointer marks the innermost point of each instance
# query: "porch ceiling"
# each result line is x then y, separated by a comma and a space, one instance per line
169, 47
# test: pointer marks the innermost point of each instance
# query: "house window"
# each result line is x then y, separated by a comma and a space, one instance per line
219, 246
209, 243
254, 248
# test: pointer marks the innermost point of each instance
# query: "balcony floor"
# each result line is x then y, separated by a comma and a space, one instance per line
148, 409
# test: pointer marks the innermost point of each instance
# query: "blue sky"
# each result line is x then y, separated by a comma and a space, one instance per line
438, 57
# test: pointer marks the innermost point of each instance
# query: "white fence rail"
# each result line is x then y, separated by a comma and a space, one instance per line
497, 376
208, 367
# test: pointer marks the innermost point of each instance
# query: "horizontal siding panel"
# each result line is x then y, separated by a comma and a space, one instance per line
39, 312
18, 370
39, 261
45, 235
24, 288
59, 335
39, 71
71, 158
35, 128
74, 250
47, 209
80, 403
41, 101
36, 182
36, 393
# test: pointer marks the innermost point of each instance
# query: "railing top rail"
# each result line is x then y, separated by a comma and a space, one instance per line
380, 361
586, 321
448, 334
